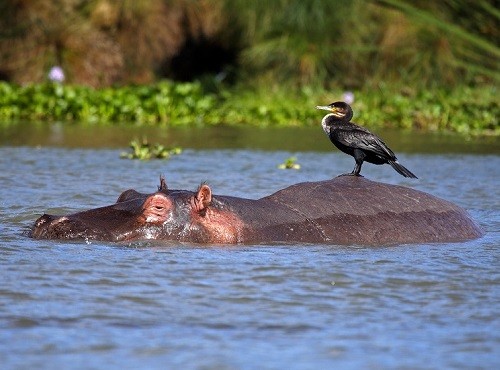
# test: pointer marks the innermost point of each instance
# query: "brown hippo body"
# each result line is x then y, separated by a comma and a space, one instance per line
343, 210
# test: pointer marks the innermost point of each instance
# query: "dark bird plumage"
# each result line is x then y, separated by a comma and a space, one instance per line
356, 140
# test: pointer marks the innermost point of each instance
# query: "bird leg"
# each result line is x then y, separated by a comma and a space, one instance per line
355, 171
359, 157
350, 174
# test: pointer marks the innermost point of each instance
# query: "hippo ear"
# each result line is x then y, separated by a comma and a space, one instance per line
203, 198
128, 195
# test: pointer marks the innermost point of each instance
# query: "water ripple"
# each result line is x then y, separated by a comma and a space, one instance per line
155, 305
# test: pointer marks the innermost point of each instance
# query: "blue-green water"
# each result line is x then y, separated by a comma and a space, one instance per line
77, 305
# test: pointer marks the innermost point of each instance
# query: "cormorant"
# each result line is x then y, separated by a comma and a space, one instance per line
356, 140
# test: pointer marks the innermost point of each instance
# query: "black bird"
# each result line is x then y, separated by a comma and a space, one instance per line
356, 140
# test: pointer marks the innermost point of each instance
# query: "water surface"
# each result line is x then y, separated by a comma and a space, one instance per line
66, 135
77, 305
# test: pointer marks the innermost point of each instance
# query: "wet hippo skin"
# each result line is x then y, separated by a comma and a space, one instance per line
343, 210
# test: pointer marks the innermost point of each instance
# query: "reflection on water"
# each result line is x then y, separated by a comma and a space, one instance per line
291, 138
165, 305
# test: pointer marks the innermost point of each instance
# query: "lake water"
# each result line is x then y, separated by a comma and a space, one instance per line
149, 305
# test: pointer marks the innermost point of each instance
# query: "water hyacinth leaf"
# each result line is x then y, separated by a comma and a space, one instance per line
143, 150
290, 164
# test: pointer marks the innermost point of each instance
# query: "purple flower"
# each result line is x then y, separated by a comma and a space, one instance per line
56, 74
348, 97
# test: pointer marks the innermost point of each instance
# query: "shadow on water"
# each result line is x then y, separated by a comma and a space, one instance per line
229, 137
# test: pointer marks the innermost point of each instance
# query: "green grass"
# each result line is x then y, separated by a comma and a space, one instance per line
466, 110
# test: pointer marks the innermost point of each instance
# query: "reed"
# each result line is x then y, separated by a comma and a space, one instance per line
365, 43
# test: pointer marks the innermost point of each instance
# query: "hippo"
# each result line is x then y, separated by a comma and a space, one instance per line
344, 210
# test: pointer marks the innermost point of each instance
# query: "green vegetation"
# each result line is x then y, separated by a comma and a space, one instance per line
164, 102
410, 64
348, 44
144, 151
290, 164
470, 111
360, 43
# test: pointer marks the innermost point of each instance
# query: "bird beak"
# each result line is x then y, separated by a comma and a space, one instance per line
324, 107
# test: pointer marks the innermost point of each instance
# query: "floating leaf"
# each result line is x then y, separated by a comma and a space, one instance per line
144, 151
290, 164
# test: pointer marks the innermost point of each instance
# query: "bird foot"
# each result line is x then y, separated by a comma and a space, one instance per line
350, 174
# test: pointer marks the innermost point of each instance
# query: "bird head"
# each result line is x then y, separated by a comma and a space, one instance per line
339, 109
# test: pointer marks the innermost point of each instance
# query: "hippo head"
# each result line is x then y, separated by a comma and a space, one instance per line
166, 214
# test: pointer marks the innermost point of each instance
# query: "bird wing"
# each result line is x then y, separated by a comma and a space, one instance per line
359, 137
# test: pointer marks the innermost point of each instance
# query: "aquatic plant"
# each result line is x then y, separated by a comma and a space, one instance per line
160, 103
289, 164
56, 74
144, 150
470, 111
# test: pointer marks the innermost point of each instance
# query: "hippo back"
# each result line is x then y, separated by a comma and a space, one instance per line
354, 210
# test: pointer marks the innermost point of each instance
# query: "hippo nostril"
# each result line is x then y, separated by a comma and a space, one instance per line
48, 226
49, 220
40, 222
58, 220
45, 219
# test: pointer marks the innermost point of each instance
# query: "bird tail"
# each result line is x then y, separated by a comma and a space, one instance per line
402, 170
